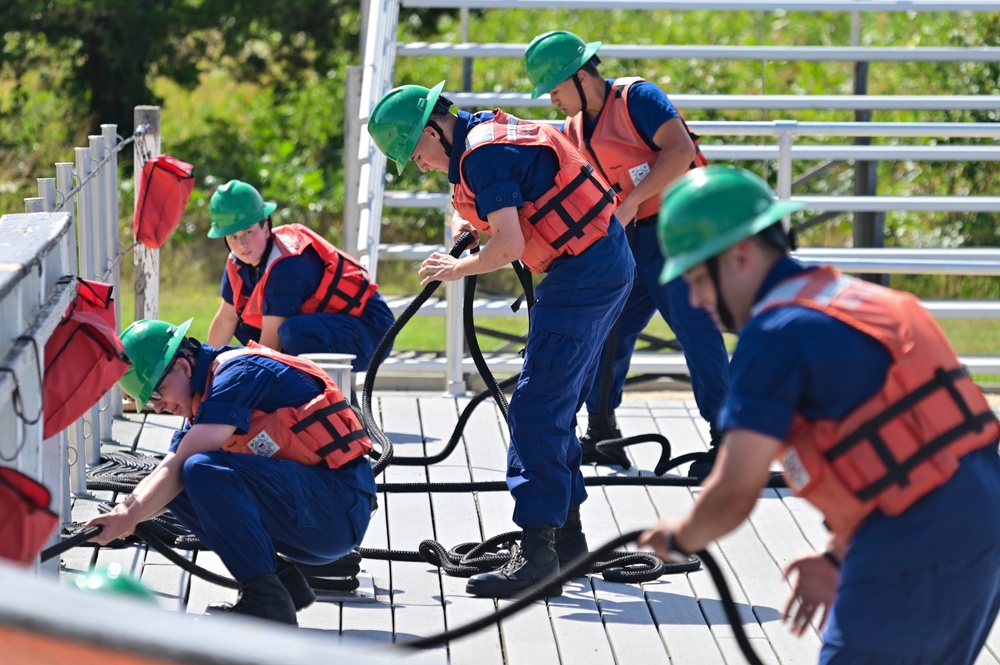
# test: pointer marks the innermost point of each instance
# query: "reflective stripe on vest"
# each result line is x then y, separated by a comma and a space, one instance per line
618, 150
323, 430
344, 287
568, 218
906, 439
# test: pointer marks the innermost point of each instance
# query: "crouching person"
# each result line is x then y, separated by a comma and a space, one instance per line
271, 459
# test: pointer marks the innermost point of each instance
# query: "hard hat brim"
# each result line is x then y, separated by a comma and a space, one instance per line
169, 352
215, 232
676, 266
432, 98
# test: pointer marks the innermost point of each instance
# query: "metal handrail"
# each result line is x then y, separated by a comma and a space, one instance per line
950, 6
762, 102
720, 52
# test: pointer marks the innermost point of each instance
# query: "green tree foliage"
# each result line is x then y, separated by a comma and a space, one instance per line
116, 47
255, 90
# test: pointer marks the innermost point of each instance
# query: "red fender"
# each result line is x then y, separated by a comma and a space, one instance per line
83, 358
164, 189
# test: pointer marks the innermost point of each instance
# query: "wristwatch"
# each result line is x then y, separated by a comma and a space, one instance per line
671, 541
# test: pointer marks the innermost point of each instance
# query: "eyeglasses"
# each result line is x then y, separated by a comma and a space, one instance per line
156, 395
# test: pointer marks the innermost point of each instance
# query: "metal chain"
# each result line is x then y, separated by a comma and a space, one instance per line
140, 131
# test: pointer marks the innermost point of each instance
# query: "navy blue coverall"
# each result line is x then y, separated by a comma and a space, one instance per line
247, 508
918, 588
704, 349
576, 304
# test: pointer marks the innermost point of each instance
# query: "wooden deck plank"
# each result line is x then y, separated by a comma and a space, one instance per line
125, 430
762, 582
684, 629
578, 625
168, 581
201, 593
157, 432
417, 603
527, 637
457, 521
677, 617
372, 623
631, 628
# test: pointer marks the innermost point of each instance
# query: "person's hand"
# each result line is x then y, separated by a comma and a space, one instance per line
626, 212
459, 226
815, 586
440, 267
117, 524
656, 540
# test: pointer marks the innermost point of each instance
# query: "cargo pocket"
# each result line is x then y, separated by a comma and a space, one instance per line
559, 349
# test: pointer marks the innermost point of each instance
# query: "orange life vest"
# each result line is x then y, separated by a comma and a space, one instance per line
324, 429
617, 148
344, 288
905, 440
569, 217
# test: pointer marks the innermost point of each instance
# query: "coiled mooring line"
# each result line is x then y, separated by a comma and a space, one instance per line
575, 569
462, 560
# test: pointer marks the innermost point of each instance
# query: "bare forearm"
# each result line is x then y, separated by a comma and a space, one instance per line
222, 329
152, 495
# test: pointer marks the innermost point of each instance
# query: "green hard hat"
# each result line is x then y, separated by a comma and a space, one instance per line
399, 117
708, 210
112, 580
150, 346
553, 57
236, 206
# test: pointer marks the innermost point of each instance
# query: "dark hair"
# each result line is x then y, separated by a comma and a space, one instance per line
591, 65
442, 106
775, 236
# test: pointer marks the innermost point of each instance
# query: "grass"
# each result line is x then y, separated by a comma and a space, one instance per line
427, 333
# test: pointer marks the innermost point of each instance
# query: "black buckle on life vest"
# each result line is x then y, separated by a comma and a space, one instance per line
353, 302
322, 417
898, 472
574, 227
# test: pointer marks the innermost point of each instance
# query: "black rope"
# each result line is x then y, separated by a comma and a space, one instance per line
367, 418
575, 569
456, 434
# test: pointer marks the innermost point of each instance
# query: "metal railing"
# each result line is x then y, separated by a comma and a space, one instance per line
790, 138
70, 228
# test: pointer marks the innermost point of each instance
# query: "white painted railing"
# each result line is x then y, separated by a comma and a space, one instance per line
36, 249
725, 5
792, 141
785, 151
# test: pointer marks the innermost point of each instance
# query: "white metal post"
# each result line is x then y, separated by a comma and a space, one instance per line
58, 446
75, 434
785, 130
87, 246
147, 261
110, 133
352, 165
99, 202
454, 333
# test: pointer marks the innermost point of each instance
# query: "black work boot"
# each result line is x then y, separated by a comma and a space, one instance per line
571, 541
703, 467
294, 582
531, 561
602, 429
265, 597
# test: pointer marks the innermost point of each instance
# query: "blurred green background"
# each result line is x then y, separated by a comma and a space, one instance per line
255, 91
